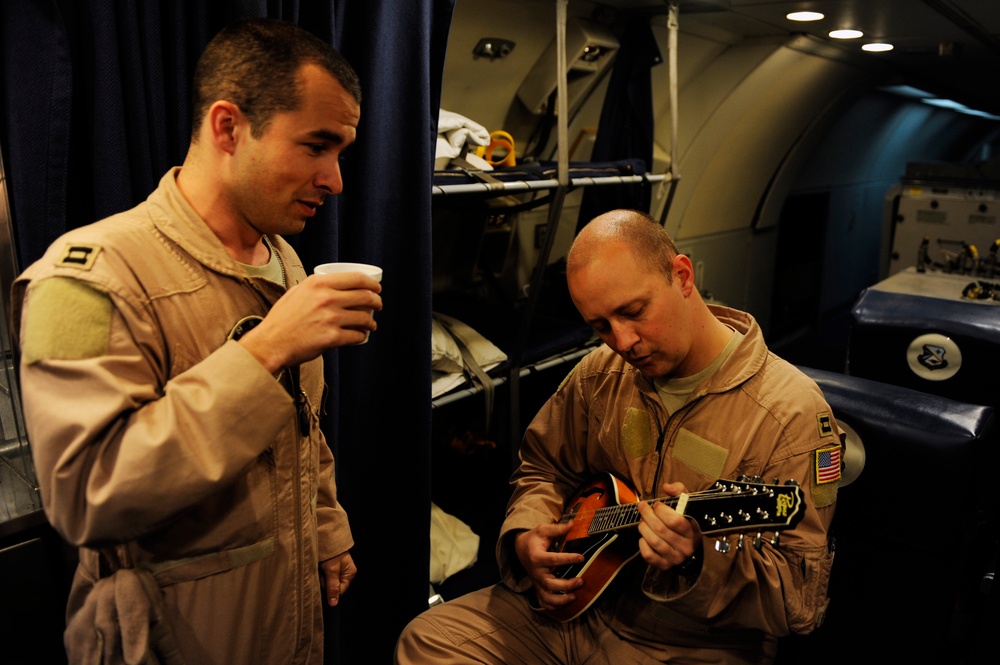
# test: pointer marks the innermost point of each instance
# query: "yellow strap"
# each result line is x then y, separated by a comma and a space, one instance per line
499, 139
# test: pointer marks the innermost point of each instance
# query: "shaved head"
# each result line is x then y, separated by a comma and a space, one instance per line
645, 238
628, 282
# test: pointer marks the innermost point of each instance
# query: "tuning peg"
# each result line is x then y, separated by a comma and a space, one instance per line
722, 546
775, 480
739, 542
775, 539
758, 541
791, 481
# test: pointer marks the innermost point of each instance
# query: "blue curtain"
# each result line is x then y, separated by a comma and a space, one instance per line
384, 426
95, 109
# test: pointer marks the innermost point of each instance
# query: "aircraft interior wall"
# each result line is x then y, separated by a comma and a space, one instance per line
859, 160
735, 152
794, 121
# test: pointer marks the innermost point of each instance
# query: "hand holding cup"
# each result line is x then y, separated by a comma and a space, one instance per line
375, 272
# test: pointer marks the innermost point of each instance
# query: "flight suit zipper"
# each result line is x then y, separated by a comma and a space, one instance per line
292, 384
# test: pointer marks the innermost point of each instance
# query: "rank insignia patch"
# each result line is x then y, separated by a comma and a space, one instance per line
827, 465
825, 423
81, 257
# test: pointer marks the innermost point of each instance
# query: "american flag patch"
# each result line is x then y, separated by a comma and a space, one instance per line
827, 465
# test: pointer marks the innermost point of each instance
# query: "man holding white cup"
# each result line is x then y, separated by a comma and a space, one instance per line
173, 382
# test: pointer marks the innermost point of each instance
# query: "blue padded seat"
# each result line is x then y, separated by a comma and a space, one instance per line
914, 531
941, 345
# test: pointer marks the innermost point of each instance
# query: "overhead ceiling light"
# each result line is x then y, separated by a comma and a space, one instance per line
945, 104
907, 91
959, 108
876, 47
928, 98
846, 34
804, 16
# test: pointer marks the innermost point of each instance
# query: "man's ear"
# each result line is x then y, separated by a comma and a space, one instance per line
684, 273
225, 122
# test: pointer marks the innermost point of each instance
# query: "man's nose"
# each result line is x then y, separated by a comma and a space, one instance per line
329, 179
624, 337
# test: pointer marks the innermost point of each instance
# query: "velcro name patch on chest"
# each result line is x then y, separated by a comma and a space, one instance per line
636, 433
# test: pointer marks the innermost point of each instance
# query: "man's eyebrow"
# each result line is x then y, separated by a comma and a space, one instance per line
621, 310
327, 135
625, 310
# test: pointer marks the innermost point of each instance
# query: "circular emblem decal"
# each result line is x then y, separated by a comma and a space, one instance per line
243, 326
854, 455
934, 357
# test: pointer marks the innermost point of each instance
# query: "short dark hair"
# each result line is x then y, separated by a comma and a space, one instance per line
254, 63
649, 241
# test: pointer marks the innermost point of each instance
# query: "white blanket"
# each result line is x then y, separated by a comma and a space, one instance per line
455, 134
454, 545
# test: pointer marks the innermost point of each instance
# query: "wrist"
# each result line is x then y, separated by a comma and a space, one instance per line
264, 353
690, 568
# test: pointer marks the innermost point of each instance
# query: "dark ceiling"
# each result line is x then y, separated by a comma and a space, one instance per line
947, 47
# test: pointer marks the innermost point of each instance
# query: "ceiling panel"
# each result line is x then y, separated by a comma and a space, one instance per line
949, 47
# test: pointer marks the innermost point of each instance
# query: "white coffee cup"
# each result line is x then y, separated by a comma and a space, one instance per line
374, 272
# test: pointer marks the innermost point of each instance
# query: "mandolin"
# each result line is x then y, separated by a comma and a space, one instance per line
606, 506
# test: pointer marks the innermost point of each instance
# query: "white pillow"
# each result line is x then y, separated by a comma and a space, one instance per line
445, 354
484, 351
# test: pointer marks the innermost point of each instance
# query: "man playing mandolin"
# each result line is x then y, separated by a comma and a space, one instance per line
681, 395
